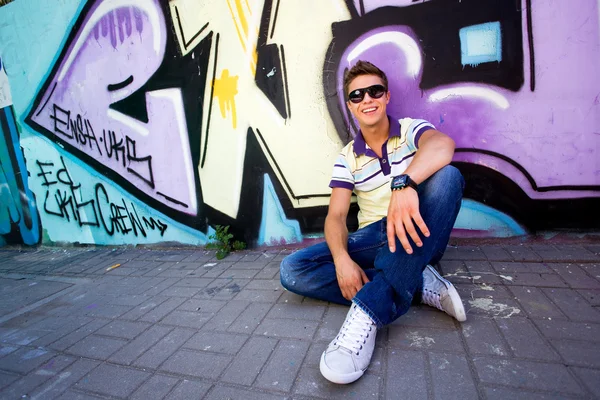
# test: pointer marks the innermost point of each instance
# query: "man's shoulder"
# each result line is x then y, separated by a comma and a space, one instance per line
410, 126
348, 150
407, 120
405, 123
347, 157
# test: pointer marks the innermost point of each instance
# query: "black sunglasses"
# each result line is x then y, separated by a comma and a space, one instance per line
375, 92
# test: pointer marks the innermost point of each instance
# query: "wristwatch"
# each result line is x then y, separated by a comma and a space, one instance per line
401, 181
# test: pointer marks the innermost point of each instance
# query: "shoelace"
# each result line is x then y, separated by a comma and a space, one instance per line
354, 333
432, 298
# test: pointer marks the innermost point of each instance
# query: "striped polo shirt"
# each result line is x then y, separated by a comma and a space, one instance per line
358, 168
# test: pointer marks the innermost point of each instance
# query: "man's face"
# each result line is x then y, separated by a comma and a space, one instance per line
370, 111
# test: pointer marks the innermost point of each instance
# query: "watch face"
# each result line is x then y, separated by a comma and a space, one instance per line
399, 182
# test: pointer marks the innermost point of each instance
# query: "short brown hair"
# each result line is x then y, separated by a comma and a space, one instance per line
363, 68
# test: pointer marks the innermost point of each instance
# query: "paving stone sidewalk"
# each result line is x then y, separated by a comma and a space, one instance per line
178, 324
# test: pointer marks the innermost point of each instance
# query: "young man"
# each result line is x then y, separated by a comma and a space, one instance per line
408, 197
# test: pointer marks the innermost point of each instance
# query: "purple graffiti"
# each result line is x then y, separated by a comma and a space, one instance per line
534, 135
116, 48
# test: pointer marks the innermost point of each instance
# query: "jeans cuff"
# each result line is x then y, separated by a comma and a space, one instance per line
367, 311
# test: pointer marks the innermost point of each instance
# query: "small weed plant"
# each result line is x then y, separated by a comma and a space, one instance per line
222, 241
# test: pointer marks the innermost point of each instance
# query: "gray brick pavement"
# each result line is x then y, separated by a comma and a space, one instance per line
179, 324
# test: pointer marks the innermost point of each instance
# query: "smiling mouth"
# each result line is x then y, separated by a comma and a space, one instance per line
369, 110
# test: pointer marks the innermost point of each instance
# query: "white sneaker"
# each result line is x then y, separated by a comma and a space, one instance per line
441, 294
348, 355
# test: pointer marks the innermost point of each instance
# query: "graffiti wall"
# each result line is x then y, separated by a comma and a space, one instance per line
145, 121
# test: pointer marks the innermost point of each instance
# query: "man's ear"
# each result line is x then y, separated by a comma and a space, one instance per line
388, 95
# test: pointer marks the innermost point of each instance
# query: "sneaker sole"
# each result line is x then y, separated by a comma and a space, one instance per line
459, 309
336, 377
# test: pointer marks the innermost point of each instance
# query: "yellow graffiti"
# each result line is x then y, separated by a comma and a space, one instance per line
240, 11
225, 88
242, 22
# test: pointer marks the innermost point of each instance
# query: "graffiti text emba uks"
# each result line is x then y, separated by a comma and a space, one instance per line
79, 129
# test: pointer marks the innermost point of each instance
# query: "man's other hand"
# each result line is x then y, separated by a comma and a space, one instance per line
402, 212
350, 277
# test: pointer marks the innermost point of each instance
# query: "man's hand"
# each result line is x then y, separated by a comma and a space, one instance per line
350, 277
403, 210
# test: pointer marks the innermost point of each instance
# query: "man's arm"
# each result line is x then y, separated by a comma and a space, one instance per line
336, 231
350, 276
435, 151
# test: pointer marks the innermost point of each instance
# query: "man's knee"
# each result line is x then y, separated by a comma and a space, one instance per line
451, 174
445, 183
286, 273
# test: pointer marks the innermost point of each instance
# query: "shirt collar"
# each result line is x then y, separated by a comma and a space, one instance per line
360, 147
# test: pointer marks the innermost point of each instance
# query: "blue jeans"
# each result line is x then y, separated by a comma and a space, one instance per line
395, 278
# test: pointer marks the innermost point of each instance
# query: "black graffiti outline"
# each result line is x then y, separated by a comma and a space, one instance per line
117, 220
274, 18
120, 85
65, 198
531, 46
152, 223
172, 200
210, 103
101, 186
132, 157
47, 100
186, 44
74, 128
285, 83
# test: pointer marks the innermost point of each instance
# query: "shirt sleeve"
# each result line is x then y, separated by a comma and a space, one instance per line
416, 128
342, 175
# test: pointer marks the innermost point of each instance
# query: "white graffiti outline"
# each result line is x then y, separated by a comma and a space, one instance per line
471, 91
401, 40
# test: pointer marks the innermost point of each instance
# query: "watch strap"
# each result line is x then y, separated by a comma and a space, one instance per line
411, 183
407, 182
